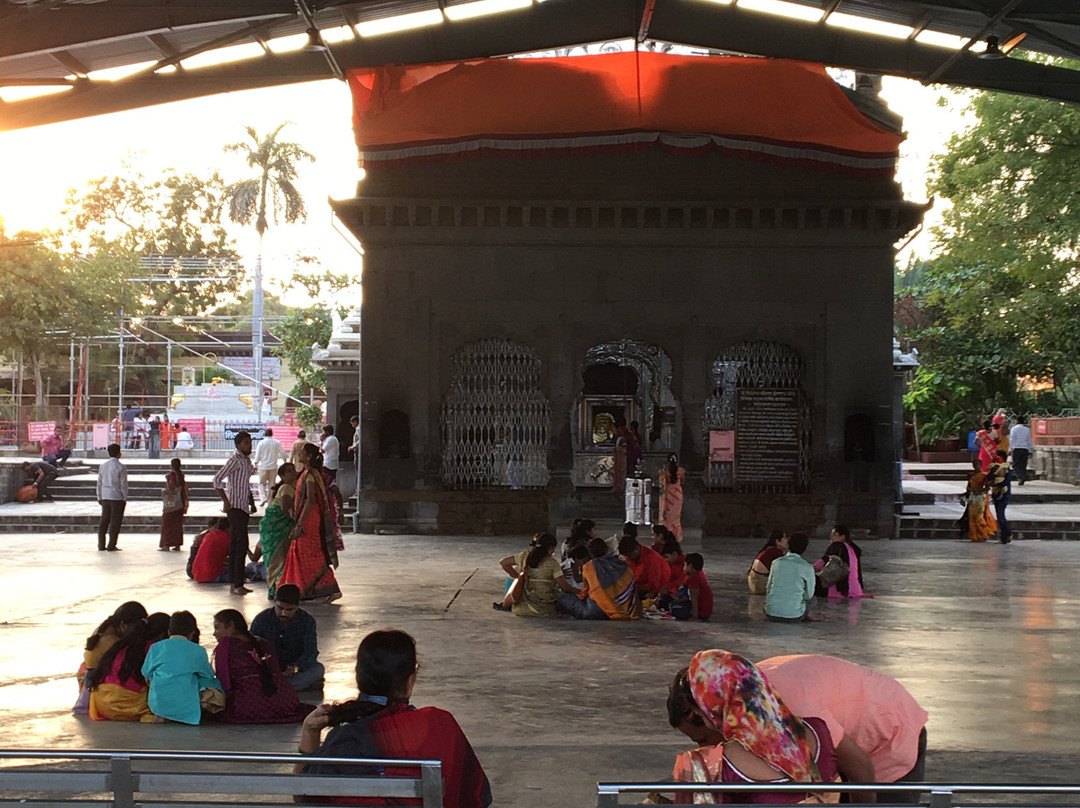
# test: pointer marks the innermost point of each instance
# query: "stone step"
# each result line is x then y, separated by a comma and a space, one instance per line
923, 527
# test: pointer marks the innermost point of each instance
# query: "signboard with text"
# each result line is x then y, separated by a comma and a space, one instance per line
766, 436
246, 366
36, 430
258, 431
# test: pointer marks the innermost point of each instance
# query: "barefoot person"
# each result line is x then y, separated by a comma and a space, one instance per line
233, 484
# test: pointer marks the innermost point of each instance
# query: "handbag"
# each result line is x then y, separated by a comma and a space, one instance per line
834, 571
172, 499
211, 700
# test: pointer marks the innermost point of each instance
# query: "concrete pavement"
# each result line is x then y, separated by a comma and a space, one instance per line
982, 635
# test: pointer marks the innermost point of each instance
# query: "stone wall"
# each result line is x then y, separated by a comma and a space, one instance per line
692, 255
1059, 464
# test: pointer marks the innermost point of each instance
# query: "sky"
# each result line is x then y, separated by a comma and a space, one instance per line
39, 165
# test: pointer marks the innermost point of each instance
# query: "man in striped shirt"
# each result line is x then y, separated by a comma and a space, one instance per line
233, 484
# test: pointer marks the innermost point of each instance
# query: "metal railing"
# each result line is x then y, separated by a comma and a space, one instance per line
138, 778
941, 795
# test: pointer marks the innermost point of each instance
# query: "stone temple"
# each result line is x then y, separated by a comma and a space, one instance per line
703, 245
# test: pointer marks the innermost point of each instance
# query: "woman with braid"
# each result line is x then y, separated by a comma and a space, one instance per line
256, 691
380, 723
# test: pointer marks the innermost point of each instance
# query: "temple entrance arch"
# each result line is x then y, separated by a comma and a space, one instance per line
495, 418
622, 382
758, 419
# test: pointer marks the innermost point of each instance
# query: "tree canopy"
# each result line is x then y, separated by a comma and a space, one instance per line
1002, 298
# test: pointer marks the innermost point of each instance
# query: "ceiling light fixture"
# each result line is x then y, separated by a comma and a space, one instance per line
314, 42
993, 50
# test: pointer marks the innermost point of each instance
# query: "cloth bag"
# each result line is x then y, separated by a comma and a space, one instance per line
834, 571
172, 499
211, 700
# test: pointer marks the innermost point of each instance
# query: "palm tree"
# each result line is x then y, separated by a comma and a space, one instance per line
270, 191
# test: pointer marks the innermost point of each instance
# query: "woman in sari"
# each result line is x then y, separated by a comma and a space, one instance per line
256, 691
312, 554
105, 636
118, 691
745, 732
671, 496
851, 554
987, 440
172, 522
380, 723
276, 525
978, 522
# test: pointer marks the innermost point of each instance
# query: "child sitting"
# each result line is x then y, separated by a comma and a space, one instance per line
673, 555
694, 598
791, 583
177, 670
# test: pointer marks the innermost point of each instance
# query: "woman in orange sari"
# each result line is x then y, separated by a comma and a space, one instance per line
671, 496
312, 554
978, 518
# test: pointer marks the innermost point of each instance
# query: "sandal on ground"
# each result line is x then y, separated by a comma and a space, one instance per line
499, 607
239, 590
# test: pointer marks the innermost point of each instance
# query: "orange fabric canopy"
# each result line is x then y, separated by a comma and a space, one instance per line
779, 110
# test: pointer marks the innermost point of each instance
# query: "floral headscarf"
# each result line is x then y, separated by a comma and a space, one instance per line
737, 699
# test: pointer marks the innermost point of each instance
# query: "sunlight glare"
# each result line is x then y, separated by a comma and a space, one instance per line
781, 8
10, 94
853, 22
481, 8
219, 56
121, 72
939, 39
400, 22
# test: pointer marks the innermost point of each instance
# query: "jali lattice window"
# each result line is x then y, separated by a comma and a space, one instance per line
495, 418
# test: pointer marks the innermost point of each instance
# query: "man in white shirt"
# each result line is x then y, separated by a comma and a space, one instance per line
1020, 446
268, 456
331, 450
112, 494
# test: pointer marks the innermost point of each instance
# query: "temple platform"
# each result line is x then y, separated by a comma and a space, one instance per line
552, 706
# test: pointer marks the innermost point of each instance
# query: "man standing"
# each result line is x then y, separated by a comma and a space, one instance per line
296, 453
331, 450
292, 632
112, 494
354, 447
41, 474
52, 449
268, 457
1020, 443
233, 484
153, 441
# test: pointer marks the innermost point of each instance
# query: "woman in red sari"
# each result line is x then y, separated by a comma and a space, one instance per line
671, 496
312, 552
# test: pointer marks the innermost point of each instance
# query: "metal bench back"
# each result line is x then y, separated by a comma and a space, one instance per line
191, 779
618, 795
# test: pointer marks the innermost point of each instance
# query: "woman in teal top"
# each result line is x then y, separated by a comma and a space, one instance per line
177, 669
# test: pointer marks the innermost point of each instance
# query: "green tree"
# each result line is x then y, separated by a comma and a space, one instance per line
47, 297
270, 192
1002, 298
301, 329
177, 215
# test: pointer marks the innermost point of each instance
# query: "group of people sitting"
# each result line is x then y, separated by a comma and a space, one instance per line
790, 583
606, 579
151, 668
794, 719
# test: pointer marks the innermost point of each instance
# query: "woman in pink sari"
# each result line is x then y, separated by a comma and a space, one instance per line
850, 554
671, 496
312, 552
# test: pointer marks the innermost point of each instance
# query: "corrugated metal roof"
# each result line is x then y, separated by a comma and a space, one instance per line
40, 38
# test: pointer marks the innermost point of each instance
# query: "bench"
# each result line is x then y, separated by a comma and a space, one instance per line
44, 779
617, 795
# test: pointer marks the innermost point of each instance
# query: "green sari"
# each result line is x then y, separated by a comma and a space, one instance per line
274, 530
